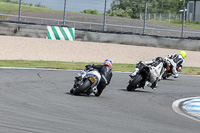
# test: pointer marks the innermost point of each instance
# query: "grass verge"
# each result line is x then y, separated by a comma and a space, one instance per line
10, 8
80, 66
191, 25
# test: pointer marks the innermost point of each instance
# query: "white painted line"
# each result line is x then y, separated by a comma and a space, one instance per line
49, 69
176, 107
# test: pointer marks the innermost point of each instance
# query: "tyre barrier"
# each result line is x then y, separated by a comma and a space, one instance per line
60, 33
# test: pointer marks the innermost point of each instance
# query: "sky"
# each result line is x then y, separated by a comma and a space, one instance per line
73, 5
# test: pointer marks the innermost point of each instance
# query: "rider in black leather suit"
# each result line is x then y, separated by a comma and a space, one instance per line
106, 74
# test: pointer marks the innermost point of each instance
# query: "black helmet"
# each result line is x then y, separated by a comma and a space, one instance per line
159, 59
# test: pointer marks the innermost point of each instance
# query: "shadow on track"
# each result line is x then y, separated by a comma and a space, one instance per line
81, 95
136, 91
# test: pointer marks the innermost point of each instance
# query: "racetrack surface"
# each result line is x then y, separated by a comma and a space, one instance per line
38, 101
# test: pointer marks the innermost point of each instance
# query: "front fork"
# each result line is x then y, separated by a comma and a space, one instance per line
77, 83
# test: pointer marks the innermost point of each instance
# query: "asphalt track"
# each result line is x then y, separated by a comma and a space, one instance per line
38, 101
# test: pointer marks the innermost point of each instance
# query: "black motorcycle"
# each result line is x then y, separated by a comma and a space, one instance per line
86, 82
140, 78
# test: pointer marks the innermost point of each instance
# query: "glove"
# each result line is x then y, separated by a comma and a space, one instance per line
179, 69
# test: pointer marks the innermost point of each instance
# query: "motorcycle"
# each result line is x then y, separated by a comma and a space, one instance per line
140, 78
86, 82
168, 68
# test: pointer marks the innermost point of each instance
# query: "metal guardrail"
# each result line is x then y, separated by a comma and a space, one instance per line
111, 27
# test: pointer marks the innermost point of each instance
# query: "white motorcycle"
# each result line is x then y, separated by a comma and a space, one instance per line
168, 68
86, 82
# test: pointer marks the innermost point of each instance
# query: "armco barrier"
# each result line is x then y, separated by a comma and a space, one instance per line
17, 29
40, 31
139, 40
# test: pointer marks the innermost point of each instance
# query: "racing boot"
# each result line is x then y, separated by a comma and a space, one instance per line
175, 75
90, 91
95, 91
147, 83
154, 85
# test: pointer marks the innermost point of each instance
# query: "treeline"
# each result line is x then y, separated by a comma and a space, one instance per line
133, 8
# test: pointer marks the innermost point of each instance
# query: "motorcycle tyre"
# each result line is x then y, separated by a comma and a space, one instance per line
133, 84
82, 88
164, 76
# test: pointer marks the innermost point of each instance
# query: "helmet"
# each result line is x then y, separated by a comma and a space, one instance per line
159, 59
183, 54
108, 63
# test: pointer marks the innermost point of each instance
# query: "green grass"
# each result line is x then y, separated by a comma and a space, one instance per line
59, 65
80, 66
10, 8
191, 25
191, 70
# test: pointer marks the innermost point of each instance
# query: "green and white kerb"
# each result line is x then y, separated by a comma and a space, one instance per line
60, 33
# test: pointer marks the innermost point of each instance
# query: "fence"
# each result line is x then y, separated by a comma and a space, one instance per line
161, 17
99, 26
94, 22
166, 17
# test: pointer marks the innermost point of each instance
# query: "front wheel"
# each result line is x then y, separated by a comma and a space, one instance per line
134, 83
82, 88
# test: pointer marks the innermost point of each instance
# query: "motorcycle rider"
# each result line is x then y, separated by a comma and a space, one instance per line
105, 71
156, 71
177, 61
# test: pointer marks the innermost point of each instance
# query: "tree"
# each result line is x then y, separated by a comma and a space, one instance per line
133, 8
90, 11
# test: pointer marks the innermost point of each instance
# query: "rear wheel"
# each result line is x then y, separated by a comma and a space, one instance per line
82, 88
166, 75
133, 84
